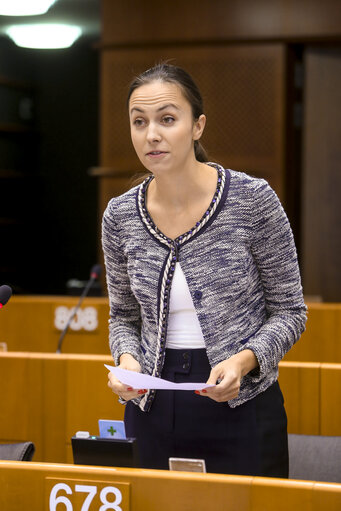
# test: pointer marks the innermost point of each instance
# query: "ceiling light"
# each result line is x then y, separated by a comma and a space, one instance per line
24, 7
44, 35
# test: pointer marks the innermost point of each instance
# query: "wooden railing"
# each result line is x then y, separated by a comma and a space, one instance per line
48, 397
30, 323
42, 487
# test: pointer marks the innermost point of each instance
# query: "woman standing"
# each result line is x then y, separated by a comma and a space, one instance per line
203, 285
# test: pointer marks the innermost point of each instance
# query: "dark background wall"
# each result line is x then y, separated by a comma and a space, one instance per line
49, 225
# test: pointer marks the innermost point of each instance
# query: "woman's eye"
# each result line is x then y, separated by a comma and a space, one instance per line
168, 119
138, 122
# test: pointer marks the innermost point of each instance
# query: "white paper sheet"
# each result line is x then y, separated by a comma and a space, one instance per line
145, 381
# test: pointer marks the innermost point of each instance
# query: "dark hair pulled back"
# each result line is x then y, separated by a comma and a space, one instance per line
173, 74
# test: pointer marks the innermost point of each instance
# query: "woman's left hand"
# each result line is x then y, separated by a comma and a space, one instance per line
229, 374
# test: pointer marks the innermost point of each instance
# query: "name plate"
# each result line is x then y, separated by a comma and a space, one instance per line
85, 319
64, 494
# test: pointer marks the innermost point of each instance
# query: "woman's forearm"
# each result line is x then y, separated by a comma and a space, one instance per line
246, 360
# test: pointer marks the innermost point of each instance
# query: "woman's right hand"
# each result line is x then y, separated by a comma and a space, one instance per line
125, 392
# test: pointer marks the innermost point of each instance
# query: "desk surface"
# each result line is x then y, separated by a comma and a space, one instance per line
41, 484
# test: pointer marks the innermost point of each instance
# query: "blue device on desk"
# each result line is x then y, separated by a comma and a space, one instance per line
112, 429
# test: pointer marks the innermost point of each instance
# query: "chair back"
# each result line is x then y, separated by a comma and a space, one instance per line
315, 458
17, 452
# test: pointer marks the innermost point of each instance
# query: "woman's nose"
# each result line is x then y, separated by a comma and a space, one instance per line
153, 134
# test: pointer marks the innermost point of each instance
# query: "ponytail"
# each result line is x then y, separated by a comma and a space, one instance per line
200, 152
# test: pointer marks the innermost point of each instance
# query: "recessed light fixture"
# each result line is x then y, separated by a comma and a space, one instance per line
44, 35
24, 7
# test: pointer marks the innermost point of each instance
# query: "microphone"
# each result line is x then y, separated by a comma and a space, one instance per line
94, 274
5, 295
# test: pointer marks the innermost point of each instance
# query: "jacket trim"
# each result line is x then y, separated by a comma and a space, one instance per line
223, 180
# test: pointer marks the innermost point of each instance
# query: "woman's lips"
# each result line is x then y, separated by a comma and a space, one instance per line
156, 154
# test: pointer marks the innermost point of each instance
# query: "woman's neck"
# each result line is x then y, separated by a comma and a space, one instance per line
178, 190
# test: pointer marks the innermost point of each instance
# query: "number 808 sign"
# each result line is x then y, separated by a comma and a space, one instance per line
84, 495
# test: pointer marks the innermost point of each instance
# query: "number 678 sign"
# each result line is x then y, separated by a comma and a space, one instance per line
84, 495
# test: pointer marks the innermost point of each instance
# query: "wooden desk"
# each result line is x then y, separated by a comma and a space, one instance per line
28, 324
154, 490
312, 393
47, 398
321, 342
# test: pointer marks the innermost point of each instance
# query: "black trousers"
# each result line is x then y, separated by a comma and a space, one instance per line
250, 439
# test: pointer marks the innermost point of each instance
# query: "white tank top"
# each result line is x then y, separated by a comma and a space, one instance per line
184, 331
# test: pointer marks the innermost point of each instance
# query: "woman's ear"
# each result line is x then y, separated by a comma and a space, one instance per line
198, 127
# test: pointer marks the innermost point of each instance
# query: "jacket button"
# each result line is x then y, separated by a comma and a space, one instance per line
197, 295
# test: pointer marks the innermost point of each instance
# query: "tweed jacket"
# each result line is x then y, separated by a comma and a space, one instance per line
241, 267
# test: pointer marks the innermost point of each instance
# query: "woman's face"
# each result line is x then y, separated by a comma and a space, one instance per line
162, 127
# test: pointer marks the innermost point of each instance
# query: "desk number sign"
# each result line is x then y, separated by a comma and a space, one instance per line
85, 495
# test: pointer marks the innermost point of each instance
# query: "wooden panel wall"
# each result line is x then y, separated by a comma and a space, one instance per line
244, 85
243, 89
134, 22
239, 54
322, 175
243, 94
